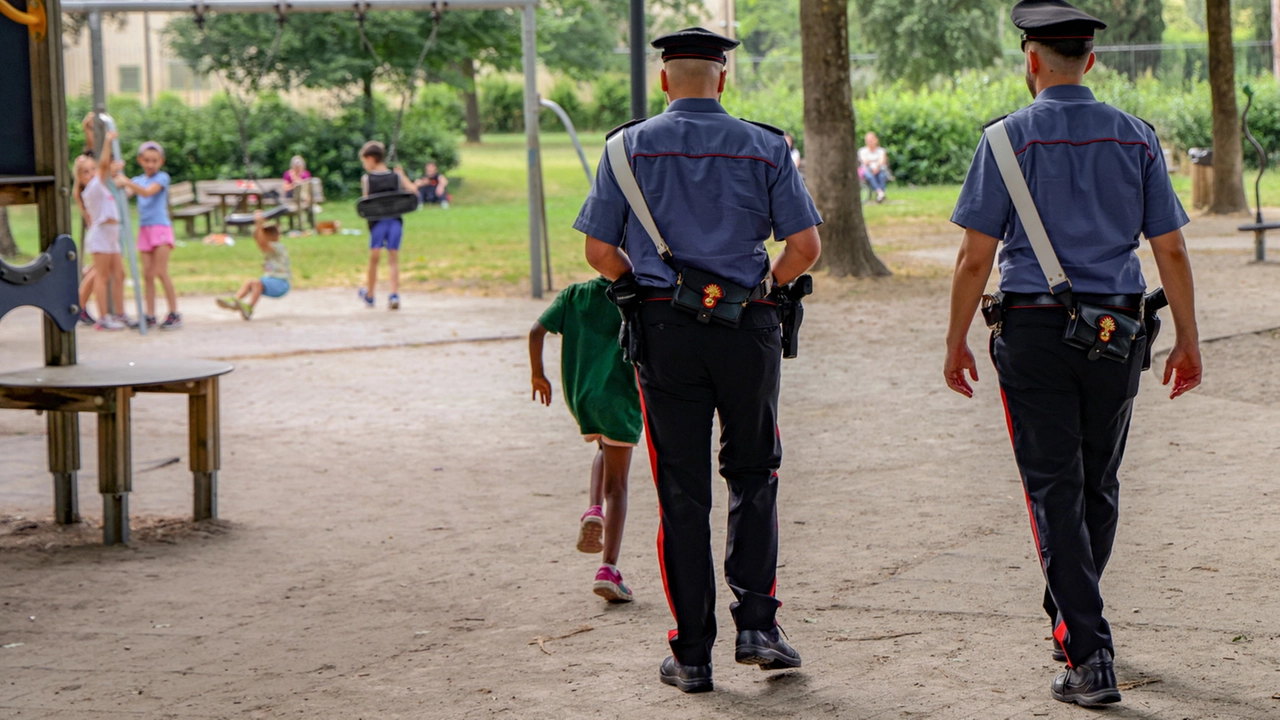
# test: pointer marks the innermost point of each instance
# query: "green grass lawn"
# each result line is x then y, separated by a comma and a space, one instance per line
482, 241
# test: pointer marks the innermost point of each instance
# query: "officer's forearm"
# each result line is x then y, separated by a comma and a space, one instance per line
1174, 264
973, 269
606, 259
801, 252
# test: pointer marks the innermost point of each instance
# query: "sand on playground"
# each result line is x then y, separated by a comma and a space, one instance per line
397, 527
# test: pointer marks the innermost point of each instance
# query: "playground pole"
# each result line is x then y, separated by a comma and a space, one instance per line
639, 101
529, 42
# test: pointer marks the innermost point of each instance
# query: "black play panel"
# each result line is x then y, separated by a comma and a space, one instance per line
17, 141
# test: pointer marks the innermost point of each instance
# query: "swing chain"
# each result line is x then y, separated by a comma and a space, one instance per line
411, 81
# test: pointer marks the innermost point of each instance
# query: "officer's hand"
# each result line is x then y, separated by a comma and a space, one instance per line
1184, 367
542, 390
960, 359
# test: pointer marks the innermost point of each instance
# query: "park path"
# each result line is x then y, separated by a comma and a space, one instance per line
399, 525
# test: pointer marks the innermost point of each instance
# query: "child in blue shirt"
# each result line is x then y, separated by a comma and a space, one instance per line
155, 232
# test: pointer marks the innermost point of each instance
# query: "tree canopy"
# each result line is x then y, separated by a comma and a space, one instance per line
919, 39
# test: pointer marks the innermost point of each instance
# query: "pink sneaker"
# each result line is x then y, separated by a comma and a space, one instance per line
609, 585
591, 531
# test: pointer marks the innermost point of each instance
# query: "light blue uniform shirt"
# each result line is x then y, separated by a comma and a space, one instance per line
718, 188
1099, 179
154, 210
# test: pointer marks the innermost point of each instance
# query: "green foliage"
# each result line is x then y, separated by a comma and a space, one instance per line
920, 39
203, 143
565, 94
501, 104
611, 102
780, 104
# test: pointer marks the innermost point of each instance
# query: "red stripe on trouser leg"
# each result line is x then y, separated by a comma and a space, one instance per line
1059, 632
653, 467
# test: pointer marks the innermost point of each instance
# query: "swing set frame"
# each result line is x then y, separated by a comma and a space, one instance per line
538, 239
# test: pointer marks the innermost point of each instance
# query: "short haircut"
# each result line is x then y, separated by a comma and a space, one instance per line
374, 149
693, 70
271, 231
1068, 49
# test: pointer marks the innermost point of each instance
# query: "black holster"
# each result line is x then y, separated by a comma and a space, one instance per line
791, 312
1152, 304
625, 293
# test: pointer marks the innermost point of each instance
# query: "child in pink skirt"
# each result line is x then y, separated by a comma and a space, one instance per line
155, 232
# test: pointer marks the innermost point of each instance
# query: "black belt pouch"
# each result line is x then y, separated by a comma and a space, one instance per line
710, 297
1101, 332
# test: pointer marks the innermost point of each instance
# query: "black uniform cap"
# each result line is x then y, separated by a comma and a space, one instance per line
698, 43
1054, 20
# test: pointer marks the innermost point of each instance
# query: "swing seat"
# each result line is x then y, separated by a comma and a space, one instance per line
380, 206
246, 218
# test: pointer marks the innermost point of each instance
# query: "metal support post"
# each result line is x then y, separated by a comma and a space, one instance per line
49, 112
529, 41
1260, 245
639, 99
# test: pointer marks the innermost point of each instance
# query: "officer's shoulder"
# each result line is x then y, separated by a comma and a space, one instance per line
624, 126
766, 126
993, 121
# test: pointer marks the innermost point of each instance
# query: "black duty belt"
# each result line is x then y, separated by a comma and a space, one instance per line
655, 294
1016, 301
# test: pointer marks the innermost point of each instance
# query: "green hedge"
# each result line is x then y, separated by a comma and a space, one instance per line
203, 143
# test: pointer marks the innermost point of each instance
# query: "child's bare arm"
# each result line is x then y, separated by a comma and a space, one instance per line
405, 183
104, 162
258, 224
541, 386
364, 186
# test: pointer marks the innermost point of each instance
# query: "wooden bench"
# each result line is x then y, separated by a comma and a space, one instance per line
183, 206
107, 391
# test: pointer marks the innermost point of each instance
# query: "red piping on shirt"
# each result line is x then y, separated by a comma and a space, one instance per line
706, 155
1089, 142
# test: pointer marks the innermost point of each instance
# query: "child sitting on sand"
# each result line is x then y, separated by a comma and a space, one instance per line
600, 390
276, 274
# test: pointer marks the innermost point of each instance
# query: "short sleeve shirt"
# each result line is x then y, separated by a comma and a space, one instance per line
718, 188
598, 385
1099, 180
154, 210
276, 262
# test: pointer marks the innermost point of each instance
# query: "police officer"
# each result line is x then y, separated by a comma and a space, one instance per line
1098, 179
718, 188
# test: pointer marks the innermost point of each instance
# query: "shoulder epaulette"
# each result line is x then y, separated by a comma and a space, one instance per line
993, 121
1144, 122
626, 124
766, 126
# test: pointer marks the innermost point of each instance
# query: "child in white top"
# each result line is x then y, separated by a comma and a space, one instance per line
102, 239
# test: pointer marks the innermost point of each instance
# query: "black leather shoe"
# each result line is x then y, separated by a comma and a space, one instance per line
689, 678
767, 649
1059, 655
1088, 684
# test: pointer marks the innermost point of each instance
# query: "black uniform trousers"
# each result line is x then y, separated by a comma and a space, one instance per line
691, 372
1068, 419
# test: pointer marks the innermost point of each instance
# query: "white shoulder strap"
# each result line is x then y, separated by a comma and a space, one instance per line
616, 149
1016, 182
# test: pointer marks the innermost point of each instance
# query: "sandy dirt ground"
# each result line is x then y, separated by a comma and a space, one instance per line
398, 522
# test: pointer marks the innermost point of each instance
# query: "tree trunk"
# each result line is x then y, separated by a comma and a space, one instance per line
1228, 159
471, 101
830, 138
8, 248
370, 119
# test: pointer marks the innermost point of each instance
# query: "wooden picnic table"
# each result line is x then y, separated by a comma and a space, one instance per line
107, 390
224, 190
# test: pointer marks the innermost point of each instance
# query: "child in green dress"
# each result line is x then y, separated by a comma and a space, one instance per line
600, 390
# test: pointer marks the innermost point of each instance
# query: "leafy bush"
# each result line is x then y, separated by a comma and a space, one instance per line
501, 105
203, 143
611, 102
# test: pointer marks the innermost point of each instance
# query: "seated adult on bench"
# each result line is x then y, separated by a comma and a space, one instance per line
433, 187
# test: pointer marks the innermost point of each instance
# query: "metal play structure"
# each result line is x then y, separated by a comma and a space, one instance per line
532, 106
